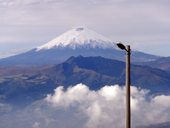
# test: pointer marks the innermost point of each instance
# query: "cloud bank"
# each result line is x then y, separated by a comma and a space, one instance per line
105, 107
80, 107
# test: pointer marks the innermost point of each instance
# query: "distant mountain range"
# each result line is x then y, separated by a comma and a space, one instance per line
75, 42
161, 63
29, 76
29, 84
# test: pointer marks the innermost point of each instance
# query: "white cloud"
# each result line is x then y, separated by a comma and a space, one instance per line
105, 107
78, 106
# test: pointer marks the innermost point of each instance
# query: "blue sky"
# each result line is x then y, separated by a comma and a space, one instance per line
25, 24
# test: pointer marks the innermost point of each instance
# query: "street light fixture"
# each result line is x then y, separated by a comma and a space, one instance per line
121, 46
128, 82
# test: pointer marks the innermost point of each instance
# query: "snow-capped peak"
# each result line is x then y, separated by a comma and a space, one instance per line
78, 37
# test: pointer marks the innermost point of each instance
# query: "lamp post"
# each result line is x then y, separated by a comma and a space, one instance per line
128, 82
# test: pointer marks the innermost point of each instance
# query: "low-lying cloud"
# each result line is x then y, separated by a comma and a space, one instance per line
106, 107
80, 107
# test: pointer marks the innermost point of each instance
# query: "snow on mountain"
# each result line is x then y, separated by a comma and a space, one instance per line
75, 42
80, 37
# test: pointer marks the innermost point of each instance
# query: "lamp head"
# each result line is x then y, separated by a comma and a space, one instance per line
121, 46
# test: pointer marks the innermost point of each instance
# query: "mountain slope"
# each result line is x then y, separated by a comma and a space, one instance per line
78, 38
92, 71
161, 63
78, 41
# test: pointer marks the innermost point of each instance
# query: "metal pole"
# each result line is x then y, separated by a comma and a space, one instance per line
128, 82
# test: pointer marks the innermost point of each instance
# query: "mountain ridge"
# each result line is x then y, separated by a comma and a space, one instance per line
95, 72
161, 63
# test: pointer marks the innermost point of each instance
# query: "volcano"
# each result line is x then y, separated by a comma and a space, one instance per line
75, 42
